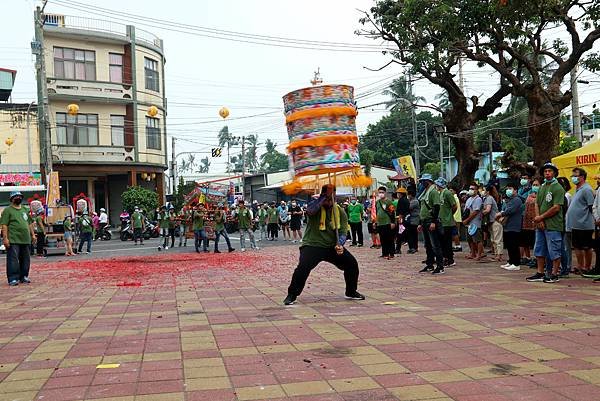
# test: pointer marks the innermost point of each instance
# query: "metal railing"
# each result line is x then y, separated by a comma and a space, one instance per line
97, 25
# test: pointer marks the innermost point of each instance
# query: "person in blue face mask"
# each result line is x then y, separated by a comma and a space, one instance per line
549, 226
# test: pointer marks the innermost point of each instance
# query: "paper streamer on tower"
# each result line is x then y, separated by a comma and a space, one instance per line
321, 125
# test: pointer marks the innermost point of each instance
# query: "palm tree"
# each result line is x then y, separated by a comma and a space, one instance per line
204, 165
188, 165
400, 91
251, 156
226, 139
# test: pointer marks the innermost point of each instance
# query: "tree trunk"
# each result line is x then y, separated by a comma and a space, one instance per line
544, 123
468, 162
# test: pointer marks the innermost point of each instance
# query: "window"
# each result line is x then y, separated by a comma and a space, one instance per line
80, 129
151, 74
117, 130
74, 64
115, 67
152, 133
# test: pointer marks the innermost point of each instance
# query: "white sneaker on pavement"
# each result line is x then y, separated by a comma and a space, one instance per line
513, 268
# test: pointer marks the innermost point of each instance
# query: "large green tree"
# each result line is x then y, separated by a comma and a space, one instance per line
498, 33
273, 160
422, 35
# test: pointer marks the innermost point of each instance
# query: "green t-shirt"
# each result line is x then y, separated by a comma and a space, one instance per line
551, 194
136, 217
197, 221
219, 220
39, 225
244, 218
67, 226
18, 222
163, 219
428, 200
273, 216
313, 236
86, 224
447, 202
383, 212
263, 214
355, 212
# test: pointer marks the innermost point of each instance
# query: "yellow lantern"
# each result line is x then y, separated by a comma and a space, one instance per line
153, 111
9, 142
144, 175
72, 109
224, 112
153, 176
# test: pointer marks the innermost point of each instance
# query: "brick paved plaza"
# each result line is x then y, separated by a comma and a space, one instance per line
194, 327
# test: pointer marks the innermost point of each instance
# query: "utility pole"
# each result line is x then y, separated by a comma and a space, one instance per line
576, 120
42, 89
29, 139
244, 167
173, 166
490, 146
414, 128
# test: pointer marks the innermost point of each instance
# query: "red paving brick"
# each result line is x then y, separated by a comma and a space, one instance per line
476, 333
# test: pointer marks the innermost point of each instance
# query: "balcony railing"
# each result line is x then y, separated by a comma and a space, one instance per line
97, 25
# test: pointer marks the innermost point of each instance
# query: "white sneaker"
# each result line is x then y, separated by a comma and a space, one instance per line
256, 248
513, 268
243, 249
506, 265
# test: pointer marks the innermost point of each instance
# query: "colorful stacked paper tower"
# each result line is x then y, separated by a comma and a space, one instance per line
322, 129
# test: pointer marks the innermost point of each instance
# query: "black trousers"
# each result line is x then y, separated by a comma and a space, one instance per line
597, 251
311, 256
386, 236
447, 244
511, 243
433, 245
412, 236
137, 234
273, 230
17, 262
41, 241
357, 233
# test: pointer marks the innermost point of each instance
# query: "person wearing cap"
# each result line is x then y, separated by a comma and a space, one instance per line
263, 216
273, 219
402, 213
355, 213
323, 241
103, 219
220, 218
17, 236
386, 223
163, 223
86, 229
431, 226
448, 206
549, 226
137, 220
245, 218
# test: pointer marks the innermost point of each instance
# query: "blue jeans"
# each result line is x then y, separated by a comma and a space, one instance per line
85, 237
222, 233
243, 232
17, 262
200, 235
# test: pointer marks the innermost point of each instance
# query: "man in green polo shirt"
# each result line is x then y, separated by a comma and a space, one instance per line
430, 226
323, 241
355, 214
86, 229
198, 224
17, 235
273, 219
220, 218
138, 222
386, 223
245, 219
448, 207
550, 225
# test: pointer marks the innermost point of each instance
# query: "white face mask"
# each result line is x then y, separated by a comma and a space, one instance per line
471, 192
294, 204
381, 196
